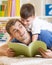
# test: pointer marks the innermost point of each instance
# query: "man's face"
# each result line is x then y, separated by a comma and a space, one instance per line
27, 22
18, 31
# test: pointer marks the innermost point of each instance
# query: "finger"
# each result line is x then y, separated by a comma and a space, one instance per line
10, 49
43, 52
11, 54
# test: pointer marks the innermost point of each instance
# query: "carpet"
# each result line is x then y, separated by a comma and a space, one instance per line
24, 61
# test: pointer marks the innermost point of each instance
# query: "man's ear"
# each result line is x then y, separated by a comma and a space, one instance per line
11, 37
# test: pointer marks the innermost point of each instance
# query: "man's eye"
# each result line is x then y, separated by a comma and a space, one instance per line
20, 26
15, 31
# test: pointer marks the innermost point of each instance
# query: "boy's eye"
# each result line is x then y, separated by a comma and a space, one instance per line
27, 20
22, 20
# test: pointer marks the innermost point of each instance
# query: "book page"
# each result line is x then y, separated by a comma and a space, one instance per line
19, 48
33, 47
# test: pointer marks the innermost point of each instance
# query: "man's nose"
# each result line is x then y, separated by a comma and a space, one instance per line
20, 32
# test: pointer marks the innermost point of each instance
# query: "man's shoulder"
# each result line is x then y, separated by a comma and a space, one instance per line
15, 40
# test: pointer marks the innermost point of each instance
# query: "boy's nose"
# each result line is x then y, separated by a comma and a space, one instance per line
25, 23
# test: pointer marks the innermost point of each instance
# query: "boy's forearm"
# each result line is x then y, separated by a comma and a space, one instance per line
51, 48
34, 37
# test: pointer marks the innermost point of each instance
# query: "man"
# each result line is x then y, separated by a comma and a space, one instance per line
16, 30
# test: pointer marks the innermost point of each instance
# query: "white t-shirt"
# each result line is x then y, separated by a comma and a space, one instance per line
38, 24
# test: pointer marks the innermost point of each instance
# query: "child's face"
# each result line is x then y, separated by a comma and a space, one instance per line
19, 32
27, 22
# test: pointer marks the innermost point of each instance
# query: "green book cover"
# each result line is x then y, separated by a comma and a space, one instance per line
28, 51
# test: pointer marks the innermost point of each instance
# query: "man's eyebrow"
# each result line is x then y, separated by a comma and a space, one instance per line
13, 29
19, 24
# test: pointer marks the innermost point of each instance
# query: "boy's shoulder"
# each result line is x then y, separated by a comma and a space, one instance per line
38, 19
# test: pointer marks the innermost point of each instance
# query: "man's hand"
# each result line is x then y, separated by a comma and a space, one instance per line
9, 52
45, 54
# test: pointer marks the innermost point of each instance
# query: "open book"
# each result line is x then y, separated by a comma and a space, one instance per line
30, 50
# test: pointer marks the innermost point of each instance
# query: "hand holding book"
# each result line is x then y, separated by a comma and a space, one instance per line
29, 51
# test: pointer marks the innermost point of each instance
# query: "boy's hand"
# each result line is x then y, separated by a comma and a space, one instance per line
45, 54
9, 52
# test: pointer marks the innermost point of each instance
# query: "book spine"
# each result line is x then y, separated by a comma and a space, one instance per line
17, 13
2, 10
3, 37
6, 7
13, 8
9, 7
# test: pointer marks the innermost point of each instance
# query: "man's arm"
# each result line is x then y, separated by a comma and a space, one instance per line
3, 49
6, 51
45, 54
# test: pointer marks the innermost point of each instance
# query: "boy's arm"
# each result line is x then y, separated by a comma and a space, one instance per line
34, 37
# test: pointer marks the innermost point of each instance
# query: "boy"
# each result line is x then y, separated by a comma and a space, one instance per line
40, 29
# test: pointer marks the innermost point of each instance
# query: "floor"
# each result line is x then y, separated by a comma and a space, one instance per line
24, 61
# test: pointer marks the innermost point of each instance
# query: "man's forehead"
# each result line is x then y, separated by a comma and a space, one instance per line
15, 25
17, 22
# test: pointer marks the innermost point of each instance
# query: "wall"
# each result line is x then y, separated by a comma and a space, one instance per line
36, 3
